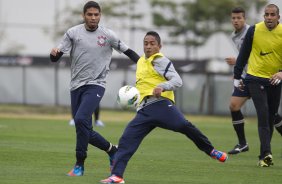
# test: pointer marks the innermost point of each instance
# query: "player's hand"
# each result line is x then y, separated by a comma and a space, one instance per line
157, 91
276, 78
55, 51
230, 60
238, 83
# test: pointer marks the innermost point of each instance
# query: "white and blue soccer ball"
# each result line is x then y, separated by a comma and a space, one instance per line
128, 97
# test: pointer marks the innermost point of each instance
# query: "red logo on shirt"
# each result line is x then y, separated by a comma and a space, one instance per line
101, 41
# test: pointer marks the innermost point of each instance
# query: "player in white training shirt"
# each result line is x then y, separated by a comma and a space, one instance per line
90, 47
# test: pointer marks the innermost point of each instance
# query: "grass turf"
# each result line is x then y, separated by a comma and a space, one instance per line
39, 149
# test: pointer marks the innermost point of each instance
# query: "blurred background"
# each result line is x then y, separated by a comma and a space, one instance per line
195, 35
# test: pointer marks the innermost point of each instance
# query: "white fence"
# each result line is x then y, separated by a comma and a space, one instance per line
49, 85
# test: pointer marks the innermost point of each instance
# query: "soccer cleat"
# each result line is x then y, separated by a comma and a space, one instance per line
112, 157
266, 161
71, 122
113, 179
239, 148
219, 155
76, 171
261, 163
99, 123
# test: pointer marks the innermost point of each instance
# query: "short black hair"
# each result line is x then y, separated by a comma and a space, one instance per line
238, 10
91, 4
154, 34
273, 6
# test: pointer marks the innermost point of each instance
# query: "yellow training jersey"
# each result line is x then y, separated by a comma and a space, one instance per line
266, 54
147, 78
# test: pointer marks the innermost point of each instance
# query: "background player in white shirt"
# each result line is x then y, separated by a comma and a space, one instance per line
238, 98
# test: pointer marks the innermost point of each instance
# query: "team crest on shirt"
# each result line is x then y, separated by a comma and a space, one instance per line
101, 41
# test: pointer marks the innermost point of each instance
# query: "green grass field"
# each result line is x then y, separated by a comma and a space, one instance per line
39, 149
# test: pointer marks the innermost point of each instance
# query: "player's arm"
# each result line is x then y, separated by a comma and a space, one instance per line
121, 47
230, 60
64, 46
55, 54
244, 53
165, 68
276, 78
132, 55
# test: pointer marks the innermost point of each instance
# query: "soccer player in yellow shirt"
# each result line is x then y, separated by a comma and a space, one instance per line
261, 49
156, 78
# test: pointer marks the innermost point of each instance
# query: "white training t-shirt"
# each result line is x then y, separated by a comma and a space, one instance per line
238, 39
90, 54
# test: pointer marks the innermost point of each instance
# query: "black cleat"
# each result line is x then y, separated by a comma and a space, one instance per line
239, 148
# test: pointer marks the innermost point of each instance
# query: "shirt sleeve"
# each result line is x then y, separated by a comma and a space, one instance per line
165, 68
244, 53
66, 44
116, 43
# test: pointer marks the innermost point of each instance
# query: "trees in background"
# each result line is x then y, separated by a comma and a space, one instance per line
187, 22
116, 12
11, 46
191, 23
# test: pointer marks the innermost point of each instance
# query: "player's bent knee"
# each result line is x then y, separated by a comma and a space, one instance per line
234, 107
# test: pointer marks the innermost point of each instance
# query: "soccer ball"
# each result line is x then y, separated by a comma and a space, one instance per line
128, 97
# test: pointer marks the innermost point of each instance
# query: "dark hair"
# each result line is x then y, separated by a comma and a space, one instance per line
238, 10
154, 34
91, 4
273, 6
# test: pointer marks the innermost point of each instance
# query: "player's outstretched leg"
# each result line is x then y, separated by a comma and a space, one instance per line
219, 155
113, 179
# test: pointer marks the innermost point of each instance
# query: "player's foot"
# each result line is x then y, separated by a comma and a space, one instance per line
113, 179
112, 156
99, 123
71, 122
266, 161
219, 155
76, 171
239, 148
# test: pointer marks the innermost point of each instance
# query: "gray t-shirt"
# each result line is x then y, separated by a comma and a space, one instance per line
90, 54
238, 39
